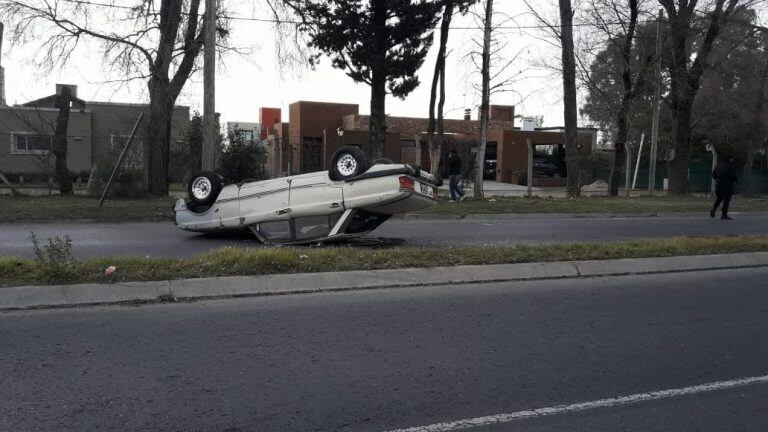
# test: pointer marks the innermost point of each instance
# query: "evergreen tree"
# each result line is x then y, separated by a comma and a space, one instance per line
380, 43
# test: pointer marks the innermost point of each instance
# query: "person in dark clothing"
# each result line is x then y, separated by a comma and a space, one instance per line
454, 176
725, 176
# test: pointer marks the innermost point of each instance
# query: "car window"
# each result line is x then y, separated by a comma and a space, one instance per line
363, 222
312, 227
276, 231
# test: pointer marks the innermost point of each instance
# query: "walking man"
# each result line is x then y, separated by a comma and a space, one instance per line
725, 176
454, 176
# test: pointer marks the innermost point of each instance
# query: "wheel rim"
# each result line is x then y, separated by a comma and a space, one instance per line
201, 188
346, 165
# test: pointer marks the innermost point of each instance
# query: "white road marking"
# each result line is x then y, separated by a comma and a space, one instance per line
498, 419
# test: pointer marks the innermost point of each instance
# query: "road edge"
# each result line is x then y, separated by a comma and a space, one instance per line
56, 296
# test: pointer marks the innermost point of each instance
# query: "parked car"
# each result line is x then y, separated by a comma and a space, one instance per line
544, 167
350, 200
489, 169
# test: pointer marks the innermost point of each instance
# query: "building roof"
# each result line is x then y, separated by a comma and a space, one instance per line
50, 102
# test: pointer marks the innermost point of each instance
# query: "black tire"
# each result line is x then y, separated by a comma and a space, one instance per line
346, 163
204, 187
383, 161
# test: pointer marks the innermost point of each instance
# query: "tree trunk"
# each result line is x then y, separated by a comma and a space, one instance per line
748, 163
377, 132
432, 124
157, 136
440, 121
619, 151
485, 100
435, 145
569, 100
680, 157
681, 111
63, 103
686, 79
622, 118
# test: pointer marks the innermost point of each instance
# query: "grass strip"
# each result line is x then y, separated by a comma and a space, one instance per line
642, 205
57, 208
235, 261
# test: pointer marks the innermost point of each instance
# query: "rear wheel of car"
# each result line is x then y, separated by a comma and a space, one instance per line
204, 187
347, 162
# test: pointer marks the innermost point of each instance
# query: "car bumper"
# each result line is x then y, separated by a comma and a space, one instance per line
408, 170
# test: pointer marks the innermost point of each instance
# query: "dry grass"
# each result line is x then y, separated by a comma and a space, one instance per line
232, 262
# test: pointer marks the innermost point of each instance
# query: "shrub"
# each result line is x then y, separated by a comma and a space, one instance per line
242, 160
128, 182
55, 259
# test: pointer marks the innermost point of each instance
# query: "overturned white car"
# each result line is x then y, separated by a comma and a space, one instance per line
350, 200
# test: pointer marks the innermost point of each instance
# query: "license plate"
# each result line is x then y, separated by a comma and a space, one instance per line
425, 189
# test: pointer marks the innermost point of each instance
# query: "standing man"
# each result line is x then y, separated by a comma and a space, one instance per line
725, 176
454, 176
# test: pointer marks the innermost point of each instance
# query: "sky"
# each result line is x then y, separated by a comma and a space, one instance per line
244, 83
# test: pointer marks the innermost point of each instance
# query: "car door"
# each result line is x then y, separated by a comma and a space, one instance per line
265, 201
313, 195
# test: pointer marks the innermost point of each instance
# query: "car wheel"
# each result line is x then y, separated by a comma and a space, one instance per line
347, 162
204, 187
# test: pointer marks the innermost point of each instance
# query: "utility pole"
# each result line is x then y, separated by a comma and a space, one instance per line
209, 88
656, 106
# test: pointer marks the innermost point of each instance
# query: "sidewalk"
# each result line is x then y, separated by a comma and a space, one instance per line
251, 286
498, 189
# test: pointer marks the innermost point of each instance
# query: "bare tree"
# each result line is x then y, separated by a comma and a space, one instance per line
485, 98
686, 75
563, 33
490, 57
572, 151
435, 144
618, 22
159, 46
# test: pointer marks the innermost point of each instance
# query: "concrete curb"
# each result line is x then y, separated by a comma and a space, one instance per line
27, 297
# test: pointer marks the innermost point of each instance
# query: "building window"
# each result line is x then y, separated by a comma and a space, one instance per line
245, 135
30, 143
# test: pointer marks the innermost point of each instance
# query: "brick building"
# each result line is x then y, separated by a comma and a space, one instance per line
314, 130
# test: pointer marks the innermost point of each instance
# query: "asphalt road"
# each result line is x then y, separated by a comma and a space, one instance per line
399, 358
164, 239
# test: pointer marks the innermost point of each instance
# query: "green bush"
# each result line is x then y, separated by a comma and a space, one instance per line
242, 160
